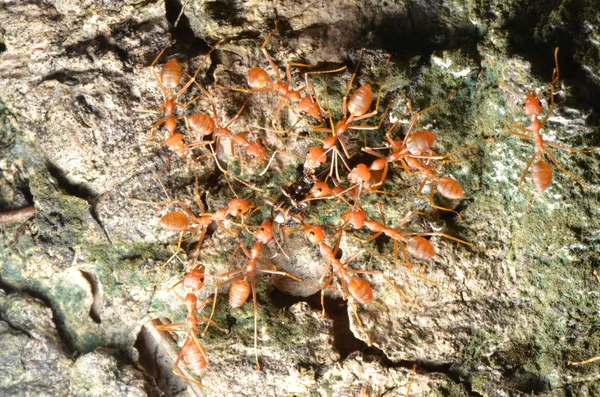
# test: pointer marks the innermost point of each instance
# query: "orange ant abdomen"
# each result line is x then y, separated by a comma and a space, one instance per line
420, 141
201, 124
239, 293
175, 221
541, 175
258, 78
450, 188
360, 102
420, 248
171, 73
194, 358
360, 290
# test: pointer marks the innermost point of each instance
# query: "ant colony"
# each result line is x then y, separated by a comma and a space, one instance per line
343, 155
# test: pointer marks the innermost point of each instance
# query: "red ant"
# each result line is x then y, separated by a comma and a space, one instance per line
259, 81
192, 352
186, 221
352, 286
354, 109
241, 288
170, 77
417, 246
541, 173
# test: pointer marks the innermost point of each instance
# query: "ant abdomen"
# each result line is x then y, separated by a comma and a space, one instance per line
360, 102
194, 358
258, 78
420, 248
239, 293
360, 290
450, 188
541, 175
420, 141
175, 221
171, 73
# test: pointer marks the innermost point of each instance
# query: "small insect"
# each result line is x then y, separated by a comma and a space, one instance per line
541, 172
413, 242
170, 77
192, 353
243, 280
352, 286
259, 81
186, 221
354, 109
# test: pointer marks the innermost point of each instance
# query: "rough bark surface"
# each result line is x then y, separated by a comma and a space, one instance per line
83, 277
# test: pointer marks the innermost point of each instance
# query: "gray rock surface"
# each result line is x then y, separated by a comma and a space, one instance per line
506, 315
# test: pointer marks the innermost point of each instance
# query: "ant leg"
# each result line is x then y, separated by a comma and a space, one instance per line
226, 173
212, 313
421, 112
563, 169
373, 237
160, 84
554, 145
237, 114
590, 360
269, 59
410, 266
440, 234
324, 287
353, 76
206, 319
360, 323
523, 179
253, 286
513, 125
410, 380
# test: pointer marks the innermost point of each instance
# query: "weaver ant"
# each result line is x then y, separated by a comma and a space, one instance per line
192, 352
352, 286
413, 242
170, 77
241, 288
541, 173
186, 221
259, 81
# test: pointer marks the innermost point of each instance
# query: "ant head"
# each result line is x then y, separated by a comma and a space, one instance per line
258, 78
359, 174
194, 279
320, 189
316, 155
264, 234
256, 151
532, 105
237, 207
356, 219
314, 234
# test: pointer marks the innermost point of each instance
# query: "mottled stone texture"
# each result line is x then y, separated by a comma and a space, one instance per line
506, 314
